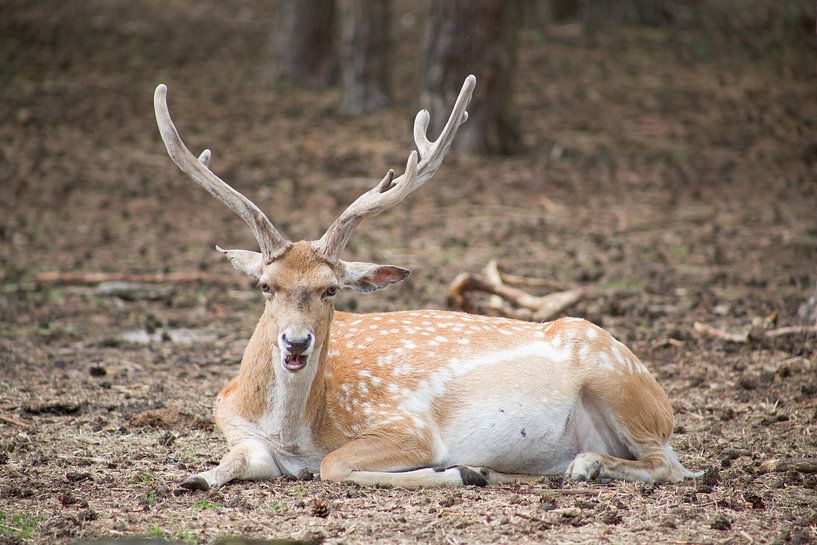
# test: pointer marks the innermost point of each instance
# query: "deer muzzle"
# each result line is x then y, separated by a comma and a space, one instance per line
295, 348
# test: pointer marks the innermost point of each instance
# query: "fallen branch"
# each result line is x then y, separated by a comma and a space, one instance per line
60, 277
791, 330
745, 336
532, 307
781, 465
13, 421
722, 334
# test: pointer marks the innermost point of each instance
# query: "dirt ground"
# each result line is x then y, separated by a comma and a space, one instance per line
676, 165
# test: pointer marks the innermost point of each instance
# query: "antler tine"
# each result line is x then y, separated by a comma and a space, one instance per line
390, 191
269, 238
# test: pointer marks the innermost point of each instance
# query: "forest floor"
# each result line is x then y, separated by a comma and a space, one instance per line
676, 166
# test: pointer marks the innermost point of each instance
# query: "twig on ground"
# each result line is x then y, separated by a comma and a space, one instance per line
13, 421
791, 330
782, 465
745, 336
709, 331
61, 277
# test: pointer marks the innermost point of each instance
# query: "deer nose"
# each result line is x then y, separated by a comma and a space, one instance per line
296, 345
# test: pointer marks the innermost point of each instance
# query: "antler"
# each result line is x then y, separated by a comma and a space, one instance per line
269, 238
390, 191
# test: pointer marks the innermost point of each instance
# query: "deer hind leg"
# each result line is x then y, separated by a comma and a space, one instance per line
635, 417
250, 459
592, 466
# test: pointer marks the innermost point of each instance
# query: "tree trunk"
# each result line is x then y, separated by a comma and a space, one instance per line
304, 42
364, 55
595, 13
473, 37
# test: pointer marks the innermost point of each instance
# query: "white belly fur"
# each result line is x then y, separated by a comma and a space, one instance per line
522, 436
538, 429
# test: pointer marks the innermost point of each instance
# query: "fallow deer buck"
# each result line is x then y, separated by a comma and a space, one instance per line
417, 398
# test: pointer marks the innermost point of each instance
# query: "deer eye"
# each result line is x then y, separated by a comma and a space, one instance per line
330, 292
265, 288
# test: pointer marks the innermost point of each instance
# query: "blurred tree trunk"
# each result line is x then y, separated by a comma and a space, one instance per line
537, 12
473, 37
304, 42
594, 13
364, 55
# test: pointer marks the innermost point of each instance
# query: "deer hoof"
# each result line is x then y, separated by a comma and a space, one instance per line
195, 482
585, 467
471, 477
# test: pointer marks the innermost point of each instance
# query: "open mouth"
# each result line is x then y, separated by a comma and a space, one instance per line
294, 362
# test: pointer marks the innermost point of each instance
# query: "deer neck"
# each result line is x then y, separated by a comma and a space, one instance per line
287, 405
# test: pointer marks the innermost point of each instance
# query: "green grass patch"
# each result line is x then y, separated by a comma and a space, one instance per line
150, 498
204, 505
181, 535
20, 524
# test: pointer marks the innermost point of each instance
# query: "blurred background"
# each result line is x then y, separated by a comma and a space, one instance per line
648, 144
660, 153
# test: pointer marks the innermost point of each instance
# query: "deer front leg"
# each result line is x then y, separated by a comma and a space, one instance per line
249, 459
390, 461
403, 462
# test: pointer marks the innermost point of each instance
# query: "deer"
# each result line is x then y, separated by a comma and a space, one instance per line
423, 398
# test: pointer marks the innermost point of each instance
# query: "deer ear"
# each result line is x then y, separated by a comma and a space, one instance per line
250, 263
369, 277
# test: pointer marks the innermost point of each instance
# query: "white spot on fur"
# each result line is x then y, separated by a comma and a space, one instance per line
410, 345
603, 360
591, 333
618, 356
402, 369
463, 341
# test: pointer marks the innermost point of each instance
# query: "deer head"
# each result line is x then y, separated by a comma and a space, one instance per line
300, 279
